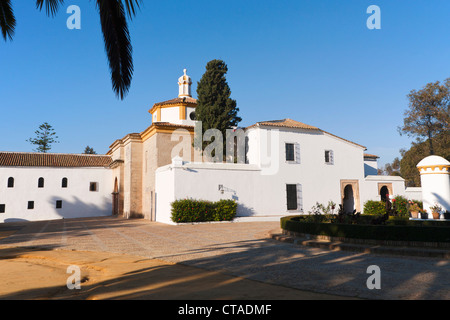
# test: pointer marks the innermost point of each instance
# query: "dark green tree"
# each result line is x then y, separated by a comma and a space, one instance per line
428, 114
114, 25
45, 137
89, 150
215, 108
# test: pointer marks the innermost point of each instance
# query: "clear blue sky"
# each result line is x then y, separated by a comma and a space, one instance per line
313, 61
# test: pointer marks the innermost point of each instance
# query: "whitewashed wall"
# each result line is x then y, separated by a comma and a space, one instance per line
77, 200
260, 186
370, 187
413, 193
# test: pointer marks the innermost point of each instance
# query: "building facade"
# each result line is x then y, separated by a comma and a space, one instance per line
277, 168
45, 186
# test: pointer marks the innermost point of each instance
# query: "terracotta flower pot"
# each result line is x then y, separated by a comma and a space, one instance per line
435, 215
415, 214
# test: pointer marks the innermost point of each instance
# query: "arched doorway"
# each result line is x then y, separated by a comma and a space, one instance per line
384, 193
349, 199
115, 199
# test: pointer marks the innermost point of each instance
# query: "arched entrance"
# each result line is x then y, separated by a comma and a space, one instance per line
349, 199
384, 193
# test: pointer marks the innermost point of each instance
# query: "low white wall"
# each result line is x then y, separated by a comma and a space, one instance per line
370, 187
77, 200
201, 182
413, 193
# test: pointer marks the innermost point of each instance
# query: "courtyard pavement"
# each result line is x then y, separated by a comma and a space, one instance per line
242, 249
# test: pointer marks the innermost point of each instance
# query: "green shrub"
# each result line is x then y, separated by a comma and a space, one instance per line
401, 205
190, 210
225, 210
375, 207
397, 228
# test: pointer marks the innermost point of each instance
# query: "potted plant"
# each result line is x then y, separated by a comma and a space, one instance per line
414, 210
435, 211
423, 214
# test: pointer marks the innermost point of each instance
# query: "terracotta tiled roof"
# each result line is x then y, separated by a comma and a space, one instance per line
33, 159
287, 123
188, 100
367, 155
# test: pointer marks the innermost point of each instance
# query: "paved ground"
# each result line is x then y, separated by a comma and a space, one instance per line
237, 252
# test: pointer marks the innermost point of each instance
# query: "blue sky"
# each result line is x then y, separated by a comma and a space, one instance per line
313, 61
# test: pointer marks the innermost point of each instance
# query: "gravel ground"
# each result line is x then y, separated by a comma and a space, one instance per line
243, 249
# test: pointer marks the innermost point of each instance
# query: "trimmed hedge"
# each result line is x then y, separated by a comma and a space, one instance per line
396, 229
189, 210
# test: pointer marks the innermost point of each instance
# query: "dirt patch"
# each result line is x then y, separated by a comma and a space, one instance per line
42, 274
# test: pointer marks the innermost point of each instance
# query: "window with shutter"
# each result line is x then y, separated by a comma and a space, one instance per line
291, 195
290, 152
329, 157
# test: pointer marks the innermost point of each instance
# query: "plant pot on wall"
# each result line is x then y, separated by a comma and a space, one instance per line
435, 214
414, 214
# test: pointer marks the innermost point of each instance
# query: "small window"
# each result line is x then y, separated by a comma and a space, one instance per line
64, 183
58, 204
2, 208
41, 182
10, 182
93, 186
30, 205
291, 194
329, 157
192, 115
290, 152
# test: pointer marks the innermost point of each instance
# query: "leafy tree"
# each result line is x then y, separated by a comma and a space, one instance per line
418, 151
115, 34
392, 169
215, 109
45, 137
428, 113
89, 150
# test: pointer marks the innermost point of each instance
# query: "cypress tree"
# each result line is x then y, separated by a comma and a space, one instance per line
215, 109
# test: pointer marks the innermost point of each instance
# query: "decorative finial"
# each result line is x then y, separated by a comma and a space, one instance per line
185, 70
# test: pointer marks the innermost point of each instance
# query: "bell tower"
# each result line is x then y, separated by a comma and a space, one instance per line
184, 83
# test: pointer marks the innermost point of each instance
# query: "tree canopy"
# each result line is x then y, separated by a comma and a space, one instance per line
215, 107
89, 150
45, 137
428, 114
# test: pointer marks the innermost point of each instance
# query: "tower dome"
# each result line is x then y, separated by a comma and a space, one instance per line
184, 83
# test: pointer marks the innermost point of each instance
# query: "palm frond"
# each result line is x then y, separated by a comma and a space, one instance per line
7, 19
131, 6
117, 44
51, 6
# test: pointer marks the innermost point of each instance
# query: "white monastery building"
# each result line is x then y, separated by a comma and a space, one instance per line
287, 167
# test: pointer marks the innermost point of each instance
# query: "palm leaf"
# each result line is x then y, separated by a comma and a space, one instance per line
51, 6
7, 19
131, 6
117, 44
